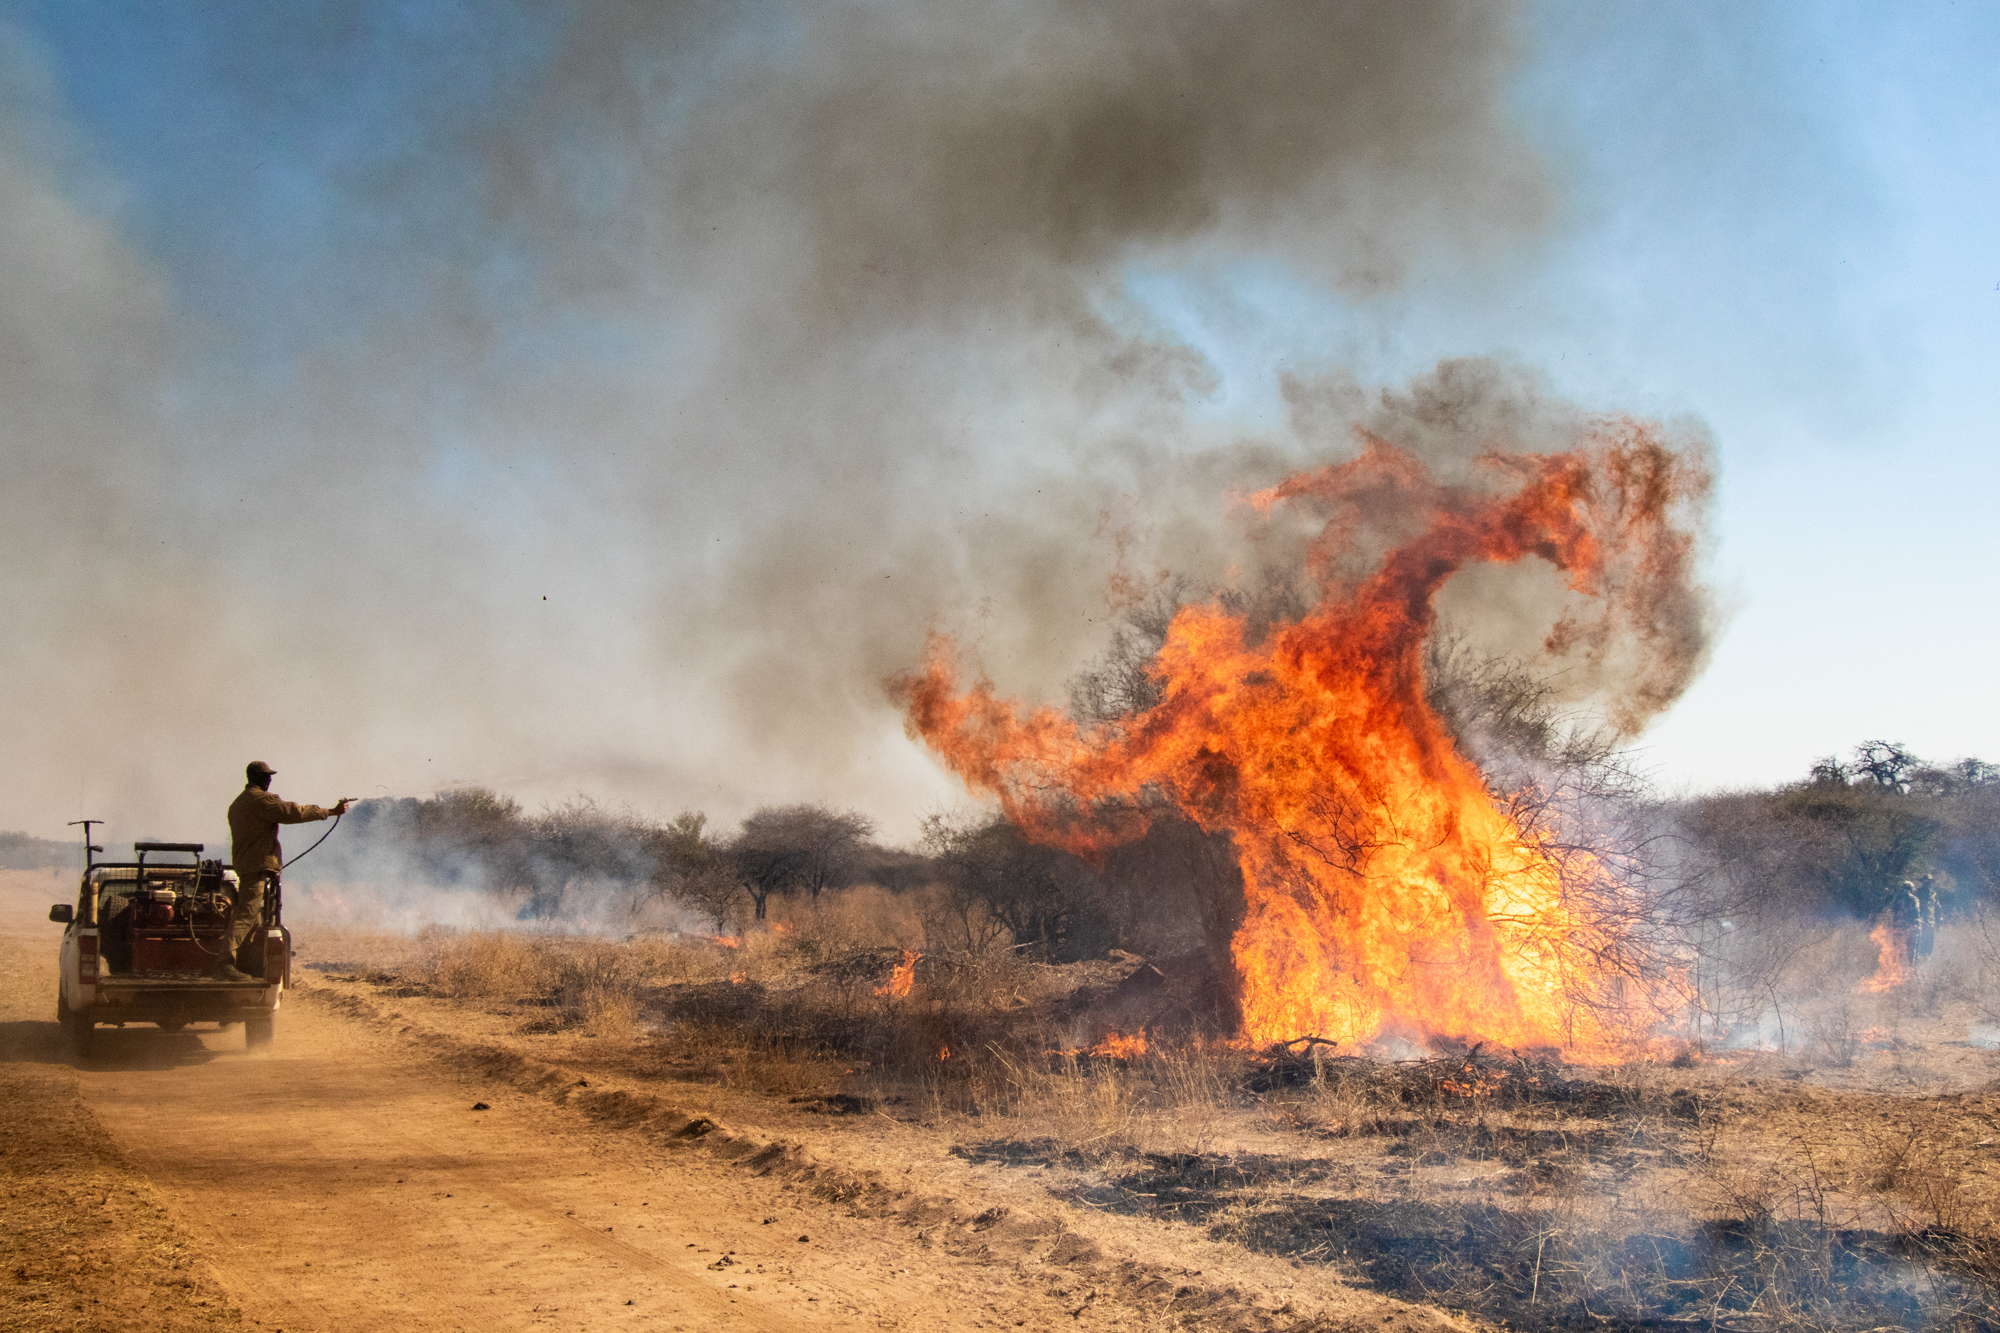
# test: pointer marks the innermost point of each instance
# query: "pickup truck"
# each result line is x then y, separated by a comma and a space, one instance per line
142, 937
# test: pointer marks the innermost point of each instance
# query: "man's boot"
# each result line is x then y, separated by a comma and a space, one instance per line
224, 967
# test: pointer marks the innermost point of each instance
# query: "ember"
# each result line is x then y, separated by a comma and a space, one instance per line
1388, 891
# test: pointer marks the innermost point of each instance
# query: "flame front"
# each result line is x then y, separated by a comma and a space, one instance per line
1120, 1046
1892, 958
902, 977
1387, 890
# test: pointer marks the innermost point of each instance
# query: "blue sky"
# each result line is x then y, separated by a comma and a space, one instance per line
1783, 220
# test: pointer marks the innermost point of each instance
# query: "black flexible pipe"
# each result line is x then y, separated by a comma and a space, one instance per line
308, 851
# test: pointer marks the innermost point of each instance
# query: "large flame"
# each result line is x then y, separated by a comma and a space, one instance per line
1388, 891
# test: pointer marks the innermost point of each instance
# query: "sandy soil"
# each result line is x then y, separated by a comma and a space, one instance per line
336, 1184
1788, 1186
345, 1181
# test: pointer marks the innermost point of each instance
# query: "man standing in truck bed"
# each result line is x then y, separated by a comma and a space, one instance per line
254, 817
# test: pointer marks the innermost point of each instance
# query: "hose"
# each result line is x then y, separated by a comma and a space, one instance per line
308, 851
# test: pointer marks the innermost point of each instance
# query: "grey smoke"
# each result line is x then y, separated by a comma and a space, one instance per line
758, 341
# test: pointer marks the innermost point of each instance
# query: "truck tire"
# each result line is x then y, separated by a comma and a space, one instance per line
79, 1032
258, 1029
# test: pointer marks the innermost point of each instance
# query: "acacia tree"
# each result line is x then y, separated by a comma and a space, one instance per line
692, 867
583, 842
793, 848
1885, 763
1552, 765
469, 831
1043, 896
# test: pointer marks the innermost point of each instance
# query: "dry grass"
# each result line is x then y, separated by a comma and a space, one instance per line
1819, 1185
484, 964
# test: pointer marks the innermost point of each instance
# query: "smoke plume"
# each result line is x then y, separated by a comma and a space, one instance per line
651, 394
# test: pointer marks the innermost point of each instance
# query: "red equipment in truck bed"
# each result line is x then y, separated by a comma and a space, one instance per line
163, 953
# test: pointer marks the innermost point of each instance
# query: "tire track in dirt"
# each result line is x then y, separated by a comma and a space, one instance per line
85, 1241
341, 1180
318, 1170
336, 1183
968, 1224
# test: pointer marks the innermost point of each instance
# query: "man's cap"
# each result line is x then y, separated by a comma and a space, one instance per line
258, 768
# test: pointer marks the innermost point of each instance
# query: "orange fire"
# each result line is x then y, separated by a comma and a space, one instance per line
903, 977
1892, 956
1476, 1083
1388, 892
1121, 1047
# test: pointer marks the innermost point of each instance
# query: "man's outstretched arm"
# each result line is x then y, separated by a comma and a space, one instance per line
281, 811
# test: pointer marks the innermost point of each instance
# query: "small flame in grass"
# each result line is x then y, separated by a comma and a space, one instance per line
944, 1052
737, 978
782, 929
1677, 1052
1121, 1047
1893, 955
903, 977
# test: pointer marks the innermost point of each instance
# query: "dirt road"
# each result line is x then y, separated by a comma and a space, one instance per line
339, 1184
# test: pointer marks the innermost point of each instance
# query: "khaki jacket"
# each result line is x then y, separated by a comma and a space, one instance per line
254, 817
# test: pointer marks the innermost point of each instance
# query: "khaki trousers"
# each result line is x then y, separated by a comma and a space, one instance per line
249, 913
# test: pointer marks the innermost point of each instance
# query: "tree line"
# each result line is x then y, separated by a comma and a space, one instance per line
479, 837
1840, 840
1174, 891
1846, 835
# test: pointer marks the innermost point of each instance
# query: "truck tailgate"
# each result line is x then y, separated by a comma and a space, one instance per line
167, 981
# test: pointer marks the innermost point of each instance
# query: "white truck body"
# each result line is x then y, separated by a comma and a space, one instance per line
140, 943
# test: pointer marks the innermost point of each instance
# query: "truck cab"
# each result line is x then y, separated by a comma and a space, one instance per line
142, 936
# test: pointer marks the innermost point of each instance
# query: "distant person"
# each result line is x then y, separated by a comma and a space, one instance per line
1906, 909
1903, 915
1927, 919
254, 817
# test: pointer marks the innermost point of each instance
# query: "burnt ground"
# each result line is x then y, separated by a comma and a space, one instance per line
1739, 1189
1495, 1202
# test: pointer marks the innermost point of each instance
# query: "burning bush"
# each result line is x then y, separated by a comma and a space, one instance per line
1387, 889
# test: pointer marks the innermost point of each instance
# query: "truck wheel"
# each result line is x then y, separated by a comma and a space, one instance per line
258, 1029
78, 1030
